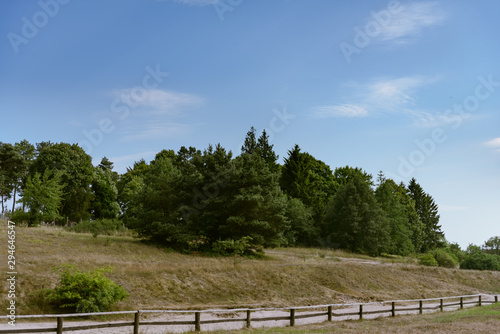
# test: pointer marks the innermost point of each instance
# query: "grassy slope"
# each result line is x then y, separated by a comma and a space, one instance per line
157, 278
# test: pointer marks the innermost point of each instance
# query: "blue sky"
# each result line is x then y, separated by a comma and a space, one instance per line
411, 88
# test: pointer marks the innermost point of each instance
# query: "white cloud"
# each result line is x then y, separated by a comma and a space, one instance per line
340, 110
494, 143
395, 93
380, 96
410, 21
159, 101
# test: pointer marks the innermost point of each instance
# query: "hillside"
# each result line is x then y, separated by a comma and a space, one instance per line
158, 278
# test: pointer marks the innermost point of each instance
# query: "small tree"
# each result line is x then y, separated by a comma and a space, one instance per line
492, 246
85, 292
43, 196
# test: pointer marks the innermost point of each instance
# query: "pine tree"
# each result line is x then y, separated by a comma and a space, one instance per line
393, 204
427, 211
266, 152
250, 144
355, 221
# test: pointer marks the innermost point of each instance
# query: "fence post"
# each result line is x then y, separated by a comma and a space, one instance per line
292, 317
393, 310
137, 318
496, 299
249, 319
441, 304
420, 304
330, 313
59, 325
479, 301
197, 325
461, 302
361, 312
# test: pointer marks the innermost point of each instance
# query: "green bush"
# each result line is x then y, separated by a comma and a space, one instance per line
231, 247
99, 227
444, 258
428, 259
85, 292
476, 258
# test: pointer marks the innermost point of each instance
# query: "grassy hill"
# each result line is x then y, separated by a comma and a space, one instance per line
158, 278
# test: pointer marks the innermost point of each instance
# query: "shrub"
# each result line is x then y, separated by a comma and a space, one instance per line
428, 259
476, 258
444, 258
85, 292
231, 247
99, 226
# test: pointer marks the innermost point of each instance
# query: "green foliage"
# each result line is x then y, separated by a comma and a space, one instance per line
105, 200
76, 172
444, 258
43, 196
85, 292
428, 259
344, 175
251, 203
427, 211
308, 179
492, 245
230, 247
476, 258
392, 201
99, 227
303, 231
355, 221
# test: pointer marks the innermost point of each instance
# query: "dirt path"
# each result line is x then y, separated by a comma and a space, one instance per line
212, 315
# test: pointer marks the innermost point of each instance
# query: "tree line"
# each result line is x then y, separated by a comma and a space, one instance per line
198, 200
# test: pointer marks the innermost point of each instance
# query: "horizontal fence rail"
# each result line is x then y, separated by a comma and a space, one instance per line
292, 314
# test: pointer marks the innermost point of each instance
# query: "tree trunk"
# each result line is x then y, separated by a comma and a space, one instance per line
14, 200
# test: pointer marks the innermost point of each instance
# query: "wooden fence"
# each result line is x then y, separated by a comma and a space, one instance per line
292, 314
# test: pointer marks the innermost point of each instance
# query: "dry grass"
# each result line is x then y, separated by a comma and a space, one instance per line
478, 320
157, 278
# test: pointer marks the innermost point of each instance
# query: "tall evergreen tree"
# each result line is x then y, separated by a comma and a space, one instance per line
105, 200
391, 201
250, 144
254, 203
266, 151
427, 211
308, 179
355, 221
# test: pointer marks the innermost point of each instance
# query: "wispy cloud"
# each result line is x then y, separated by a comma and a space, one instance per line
397, 95
158, 101
409, 22
340, 110
154, 129
494, 143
